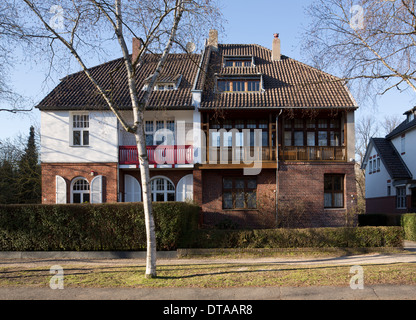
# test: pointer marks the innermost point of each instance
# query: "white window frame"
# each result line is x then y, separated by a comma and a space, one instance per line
401, 199
165, 190
81, 192
85, 128
403, 144
156, 129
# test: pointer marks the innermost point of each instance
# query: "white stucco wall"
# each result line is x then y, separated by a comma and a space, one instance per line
410, 149
376, 183
186, 116
56, 137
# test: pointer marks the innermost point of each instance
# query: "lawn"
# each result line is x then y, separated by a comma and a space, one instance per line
209, 275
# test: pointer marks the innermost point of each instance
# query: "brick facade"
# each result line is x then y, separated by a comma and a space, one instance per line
301, 197
385, 205
70, 171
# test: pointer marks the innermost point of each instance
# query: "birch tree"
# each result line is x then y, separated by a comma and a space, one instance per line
370, 43
83, 26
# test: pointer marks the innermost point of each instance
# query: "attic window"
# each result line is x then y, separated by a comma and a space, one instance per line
238, 62
164, 83
238, 85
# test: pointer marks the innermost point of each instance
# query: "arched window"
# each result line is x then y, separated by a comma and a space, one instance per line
163, 190
185, 189
80, 191
132, 189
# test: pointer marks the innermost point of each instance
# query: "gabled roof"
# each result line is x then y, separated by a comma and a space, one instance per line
76, 92
288, 83
392, 160
401, 128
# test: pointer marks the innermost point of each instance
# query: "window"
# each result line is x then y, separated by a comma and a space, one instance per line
163, 190
239, 62
388, 191
401, 197
403, 144
313, 132
80, 191
239, 193
164, 129
80, 130
240, 85
334, 191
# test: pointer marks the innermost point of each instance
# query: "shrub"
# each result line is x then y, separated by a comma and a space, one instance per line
363, 237
409, 226
106, 227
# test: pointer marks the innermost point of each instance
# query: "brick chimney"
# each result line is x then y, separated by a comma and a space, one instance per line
213, 39
276, 50
137, 44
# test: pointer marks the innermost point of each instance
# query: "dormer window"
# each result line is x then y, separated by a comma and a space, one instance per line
239, 61
239, 85
165, 83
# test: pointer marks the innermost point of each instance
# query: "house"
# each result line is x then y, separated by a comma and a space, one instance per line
247, 133
390, 168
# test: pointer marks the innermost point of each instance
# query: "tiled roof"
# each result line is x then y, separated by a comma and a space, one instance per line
287, 83
76, 92
391, 159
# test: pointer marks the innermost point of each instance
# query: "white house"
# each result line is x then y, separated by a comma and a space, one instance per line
390, 168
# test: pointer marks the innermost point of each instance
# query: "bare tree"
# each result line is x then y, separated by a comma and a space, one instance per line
82, 26
389, 123
365, 129
370, 41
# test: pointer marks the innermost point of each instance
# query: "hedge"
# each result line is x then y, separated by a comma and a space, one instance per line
362, 237
409, 226
106, 227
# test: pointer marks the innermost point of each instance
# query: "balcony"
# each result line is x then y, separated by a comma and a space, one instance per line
312, 154
157, 155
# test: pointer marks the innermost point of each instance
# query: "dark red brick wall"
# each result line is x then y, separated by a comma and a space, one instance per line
213, 212
69, 171
301, 190
303, 184
384, 205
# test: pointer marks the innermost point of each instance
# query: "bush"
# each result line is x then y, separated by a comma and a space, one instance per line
363, 237
409, 226
106, 227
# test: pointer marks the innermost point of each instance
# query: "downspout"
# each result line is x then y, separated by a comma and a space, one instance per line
277, 167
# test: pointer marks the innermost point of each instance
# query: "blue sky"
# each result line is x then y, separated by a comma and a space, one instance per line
246, 23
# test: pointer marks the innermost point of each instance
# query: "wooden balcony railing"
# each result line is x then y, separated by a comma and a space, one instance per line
241, 154
128, 155
312, 154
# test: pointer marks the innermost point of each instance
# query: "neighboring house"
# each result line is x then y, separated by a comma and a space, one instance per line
219, 125
390, 170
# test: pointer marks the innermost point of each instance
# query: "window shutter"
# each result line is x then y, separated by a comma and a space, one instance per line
97, 190
60, 190
132, 189
185, 189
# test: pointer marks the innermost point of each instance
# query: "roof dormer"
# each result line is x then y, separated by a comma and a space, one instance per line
239, 61
165, 82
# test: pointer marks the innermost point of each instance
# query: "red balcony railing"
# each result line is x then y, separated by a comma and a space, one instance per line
158, 155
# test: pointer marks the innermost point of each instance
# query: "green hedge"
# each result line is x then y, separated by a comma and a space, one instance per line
106, 227
362, 237
409, 226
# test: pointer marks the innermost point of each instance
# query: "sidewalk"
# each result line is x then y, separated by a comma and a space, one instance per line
381, 292
378, 292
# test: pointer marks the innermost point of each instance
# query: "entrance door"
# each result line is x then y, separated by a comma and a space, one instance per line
413, 199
